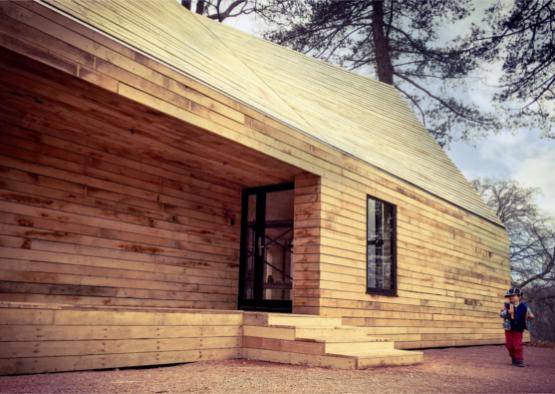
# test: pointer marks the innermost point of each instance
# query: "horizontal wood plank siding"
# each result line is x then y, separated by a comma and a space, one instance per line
451, 273
97, 208
452, 264
36, 339
306, 240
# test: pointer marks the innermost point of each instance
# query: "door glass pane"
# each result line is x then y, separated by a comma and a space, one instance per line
278, 243
277, 263
279, 206
268, 242
248, 289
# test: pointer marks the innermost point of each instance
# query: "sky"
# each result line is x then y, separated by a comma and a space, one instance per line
521, 155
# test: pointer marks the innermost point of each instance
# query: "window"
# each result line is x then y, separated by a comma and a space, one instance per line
380, 248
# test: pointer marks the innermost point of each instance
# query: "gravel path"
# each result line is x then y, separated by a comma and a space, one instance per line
473, 369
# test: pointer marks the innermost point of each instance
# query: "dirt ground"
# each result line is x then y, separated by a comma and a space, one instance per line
473, 369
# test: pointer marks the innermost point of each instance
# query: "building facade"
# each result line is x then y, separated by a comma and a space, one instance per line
156, 165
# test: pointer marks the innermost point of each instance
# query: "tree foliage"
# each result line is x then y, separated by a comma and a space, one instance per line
401, 43
220, 9
396, 40
522, 37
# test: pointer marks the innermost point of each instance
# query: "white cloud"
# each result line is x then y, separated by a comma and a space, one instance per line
539, 171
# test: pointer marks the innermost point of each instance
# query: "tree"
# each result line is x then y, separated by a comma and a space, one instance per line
220, 9
532, 236
532, 249
522, 38
397, 40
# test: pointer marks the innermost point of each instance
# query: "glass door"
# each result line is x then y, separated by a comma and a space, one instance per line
266, 248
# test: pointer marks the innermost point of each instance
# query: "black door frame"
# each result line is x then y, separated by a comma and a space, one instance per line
258, 303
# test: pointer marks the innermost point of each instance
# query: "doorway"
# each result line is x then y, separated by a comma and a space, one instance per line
266, 267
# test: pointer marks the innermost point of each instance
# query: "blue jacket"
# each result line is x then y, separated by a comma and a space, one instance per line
519, 322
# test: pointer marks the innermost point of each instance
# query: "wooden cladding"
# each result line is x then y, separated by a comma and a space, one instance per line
49, 338
107, 205
129, 189
306, 250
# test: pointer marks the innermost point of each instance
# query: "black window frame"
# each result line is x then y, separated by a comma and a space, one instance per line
393, 290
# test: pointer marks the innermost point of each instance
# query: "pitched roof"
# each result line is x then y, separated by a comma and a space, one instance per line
364, 118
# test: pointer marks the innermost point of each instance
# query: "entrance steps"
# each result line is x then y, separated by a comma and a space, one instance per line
318, 341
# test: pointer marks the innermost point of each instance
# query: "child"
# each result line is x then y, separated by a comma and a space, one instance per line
514, 316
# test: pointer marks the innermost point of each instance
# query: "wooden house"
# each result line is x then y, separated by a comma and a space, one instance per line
172, 190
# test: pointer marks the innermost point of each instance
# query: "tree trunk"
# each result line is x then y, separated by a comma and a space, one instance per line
200, 7
381, 44
186, 4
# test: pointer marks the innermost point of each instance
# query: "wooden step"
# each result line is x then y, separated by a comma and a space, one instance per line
318, 341
317, 346
329, 361
330, 332
282, 319
381, 358
292, 332
295, 346
361, 360
355, 345
278, 332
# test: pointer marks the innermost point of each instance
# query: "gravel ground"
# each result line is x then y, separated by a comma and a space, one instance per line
472, 369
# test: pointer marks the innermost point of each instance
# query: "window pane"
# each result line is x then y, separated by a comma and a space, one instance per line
381, 247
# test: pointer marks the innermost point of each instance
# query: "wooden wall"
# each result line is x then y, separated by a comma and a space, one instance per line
48, 338
102, 205
452, 264
306, 245
452, 270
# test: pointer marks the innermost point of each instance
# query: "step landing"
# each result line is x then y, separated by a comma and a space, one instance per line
318, 341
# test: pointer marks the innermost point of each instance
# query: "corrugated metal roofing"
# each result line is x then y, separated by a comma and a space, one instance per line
359, 116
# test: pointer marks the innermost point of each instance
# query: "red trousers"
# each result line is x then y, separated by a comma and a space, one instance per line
513, 343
